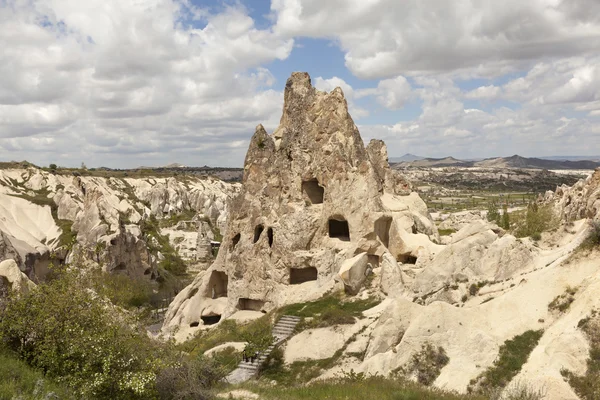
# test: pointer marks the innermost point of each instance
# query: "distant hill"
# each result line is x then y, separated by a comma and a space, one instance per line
436, 162
515, 161
572, 158
406, 157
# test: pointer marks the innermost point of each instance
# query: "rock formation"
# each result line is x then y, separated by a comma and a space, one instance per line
100, 219
312, 197
581, 200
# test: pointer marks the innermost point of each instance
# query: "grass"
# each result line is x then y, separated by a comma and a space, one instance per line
446, 232
587, 386
426, 365
562, 302
20, 381
511, 357
330, 310
257, 332
174, 219
356, 387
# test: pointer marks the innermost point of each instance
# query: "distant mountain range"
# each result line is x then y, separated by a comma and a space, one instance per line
516, 161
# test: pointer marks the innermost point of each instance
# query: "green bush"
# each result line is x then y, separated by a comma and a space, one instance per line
427, 364
189, 380
536, 220
511, 357
587, 386
80, 340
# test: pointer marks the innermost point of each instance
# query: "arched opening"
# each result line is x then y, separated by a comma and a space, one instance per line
301, 275
211, 319
217, 285
407, 259
338, 228
258, 230
382, 230
235, 240
250, 304
373, 259
270, 236
120, 267
313, 191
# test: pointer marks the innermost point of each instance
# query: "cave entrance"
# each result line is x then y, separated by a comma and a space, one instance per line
250, 304
301, 275
382, 230
211, 319
338, 228
407, 259
313, 191
257, 232
235, 240
373, 259
270, 236
194, 324
217, 285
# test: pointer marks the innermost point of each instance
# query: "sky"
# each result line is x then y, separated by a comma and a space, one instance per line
124, 83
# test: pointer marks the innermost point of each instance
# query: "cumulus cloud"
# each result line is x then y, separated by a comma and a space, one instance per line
384, 38
137, 77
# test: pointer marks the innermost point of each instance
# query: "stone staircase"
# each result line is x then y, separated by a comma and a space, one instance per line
281, 331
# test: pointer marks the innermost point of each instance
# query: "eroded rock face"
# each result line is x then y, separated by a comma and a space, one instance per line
312, 197
106, 216
581, 200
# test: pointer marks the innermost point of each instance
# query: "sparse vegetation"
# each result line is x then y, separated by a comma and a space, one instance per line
426, 365
329, 310
511, 357
171, 261
356, 387
588, 386
534, 221
562, 302
446, 232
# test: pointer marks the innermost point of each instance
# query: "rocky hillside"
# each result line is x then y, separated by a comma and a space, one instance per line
320, 213
47, 217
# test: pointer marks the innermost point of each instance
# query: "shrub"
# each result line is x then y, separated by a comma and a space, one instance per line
76, 338
588, 386
427, 364
536, 220
511, 357
562, 302
189, 380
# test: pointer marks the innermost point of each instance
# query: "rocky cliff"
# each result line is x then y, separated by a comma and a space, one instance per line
47, 217
319, 212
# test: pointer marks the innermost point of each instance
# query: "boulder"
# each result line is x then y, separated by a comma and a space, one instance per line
353, 272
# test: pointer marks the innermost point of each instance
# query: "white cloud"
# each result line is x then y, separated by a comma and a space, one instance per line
132, 76
385, 38
484, 93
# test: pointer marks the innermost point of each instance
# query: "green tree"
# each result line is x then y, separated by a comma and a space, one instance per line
505, 222
52, 167
492, 212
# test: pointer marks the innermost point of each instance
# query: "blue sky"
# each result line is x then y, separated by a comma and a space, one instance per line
151, 82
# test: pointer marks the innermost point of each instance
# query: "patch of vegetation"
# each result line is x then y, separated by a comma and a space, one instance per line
587, 386
83, 342
190, 379
20, 381
534, 221
446, 232
426, 365
174, 219
172, 261
593, 239
511, 357
257, 333
562, 302
122, 290
329, 310
356, 387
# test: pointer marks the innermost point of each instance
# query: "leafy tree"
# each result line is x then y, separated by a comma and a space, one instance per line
77, 338
505, 222
492, 212
52, 167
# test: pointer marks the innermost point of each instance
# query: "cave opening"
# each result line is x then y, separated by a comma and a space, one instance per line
211, 319
235, 240
194, 324
407, 259
373, 259
338, 228
217, 285
270, 236
258, 230
382, 230
301, 275
313, 191
250, 304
